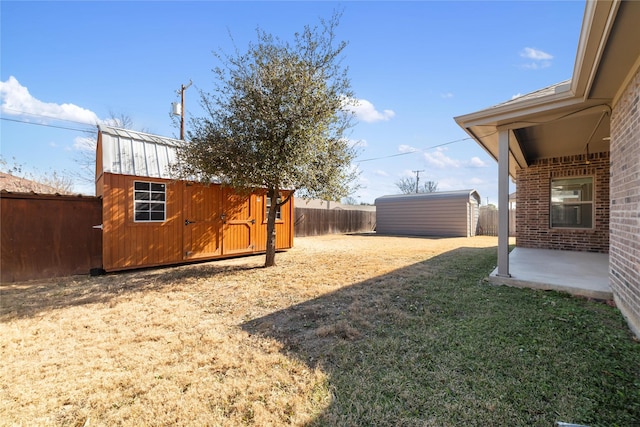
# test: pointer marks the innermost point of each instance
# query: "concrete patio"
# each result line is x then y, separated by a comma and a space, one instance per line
578, 273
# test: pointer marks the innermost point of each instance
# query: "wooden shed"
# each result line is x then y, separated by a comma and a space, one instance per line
151, 219
450, 213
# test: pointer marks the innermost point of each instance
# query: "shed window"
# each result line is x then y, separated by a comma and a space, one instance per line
572, 202
149, 201
278, 213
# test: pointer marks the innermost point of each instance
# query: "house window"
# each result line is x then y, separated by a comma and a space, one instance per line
149, 199
572, 202
278, 213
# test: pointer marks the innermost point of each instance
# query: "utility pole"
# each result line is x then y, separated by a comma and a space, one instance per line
181, 112
417, 179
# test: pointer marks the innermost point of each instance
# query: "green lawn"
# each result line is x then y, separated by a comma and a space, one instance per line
432, 344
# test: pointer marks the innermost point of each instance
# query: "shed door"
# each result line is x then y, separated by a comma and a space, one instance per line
202, 221
239, 223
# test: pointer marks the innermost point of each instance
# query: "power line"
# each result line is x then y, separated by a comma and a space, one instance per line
44, 124
418, 150
46, 117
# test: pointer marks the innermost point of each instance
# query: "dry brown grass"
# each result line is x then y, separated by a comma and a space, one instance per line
182, 346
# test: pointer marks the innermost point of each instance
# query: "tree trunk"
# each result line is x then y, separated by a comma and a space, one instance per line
270, 259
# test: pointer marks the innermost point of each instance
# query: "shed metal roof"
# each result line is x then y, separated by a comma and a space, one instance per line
135, 153
459, 194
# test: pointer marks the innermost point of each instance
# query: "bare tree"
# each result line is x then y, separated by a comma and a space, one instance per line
429, 187
408, 186
350, 200
21, 180
86, 146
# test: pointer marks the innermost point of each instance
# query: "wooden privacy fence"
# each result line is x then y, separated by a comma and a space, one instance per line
488, 222
316, 222
48, 235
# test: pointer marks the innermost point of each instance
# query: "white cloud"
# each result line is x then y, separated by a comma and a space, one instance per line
17, 101
476, 162
447, 95
403, 148
535, 54
539, 58
440, 160
366, 111
380, 172
517, 95
536, 65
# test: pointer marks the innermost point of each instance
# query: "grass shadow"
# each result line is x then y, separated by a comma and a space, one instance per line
432, 344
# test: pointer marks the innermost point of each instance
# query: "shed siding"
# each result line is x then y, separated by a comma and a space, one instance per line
438, 214
128, 244
284, 226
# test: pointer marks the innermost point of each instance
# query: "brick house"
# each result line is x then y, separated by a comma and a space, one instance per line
574, 151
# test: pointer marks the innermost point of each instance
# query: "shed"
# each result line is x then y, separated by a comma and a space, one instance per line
445, 213
149, 218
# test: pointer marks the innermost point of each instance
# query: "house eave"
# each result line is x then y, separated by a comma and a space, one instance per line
598, 21
584, 103
503, 114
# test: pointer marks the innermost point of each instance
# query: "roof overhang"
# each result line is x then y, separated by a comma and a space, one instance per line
570, 117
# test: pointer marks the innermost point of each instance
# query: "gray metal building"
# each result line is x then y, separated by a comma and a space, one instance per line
446, 213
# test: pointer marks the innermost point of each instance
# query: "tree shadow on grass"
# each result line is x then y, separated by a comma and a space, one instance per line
28, 299
432, 344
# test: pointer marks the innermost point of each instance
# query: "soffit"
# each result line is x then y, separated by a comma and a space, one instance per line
566, 136
621, 52
555, 130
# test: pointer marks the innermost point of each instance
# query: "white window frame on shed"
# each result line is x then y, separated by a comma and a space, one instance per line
149, 201
267, 206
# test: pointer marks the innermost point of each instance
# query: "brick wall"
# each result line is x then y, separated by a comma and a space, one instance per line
534, 198
624, 258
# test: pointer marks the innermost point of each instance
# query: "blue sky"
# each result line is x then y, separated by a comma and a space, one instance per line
413, 66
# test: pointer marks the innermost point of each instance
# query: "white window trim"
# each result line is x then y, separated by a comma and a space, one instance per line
163, 202
268, 204
592, 203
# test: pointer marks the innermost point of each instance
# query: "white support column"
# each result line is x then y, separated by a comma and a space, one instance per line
503, 203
